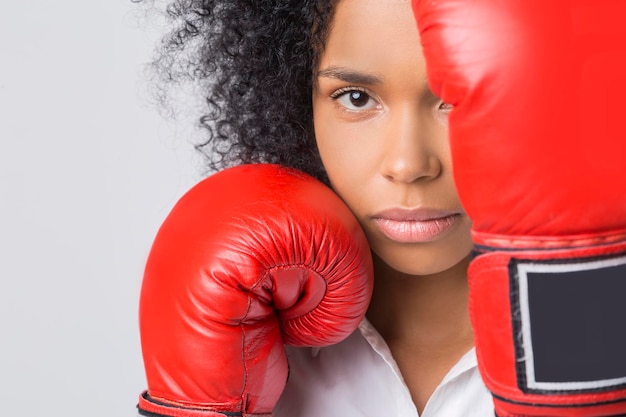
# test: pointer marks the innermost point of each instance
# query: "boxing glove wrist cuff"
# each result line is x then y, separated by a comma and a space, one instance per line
150, 407
563, 340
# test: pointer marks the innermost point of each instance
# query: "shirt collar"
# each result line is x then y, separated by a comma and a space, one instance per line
466, 363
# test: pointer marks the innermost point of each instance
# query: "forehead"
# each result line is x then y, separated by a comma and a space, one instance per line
373, 36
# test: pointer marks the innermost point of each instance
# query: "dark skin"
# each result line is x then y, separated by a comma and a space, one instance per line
424, 321
382, 136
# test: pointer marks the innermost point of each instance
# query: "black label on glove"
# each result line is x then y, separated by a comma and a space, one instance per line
569, 319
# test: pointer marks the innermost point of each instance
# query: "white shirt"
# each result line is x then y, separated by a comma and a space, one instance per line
359, 378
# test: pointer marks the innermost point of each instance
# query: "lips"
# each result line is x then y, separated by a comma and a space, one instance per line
415, 226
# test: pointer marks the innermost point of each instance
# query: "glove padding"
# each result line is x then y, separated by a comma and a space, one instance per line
539, 155
250, 258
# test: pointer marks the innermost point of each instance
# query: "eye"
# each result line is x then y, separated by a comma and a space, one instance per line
354, 99
445, 107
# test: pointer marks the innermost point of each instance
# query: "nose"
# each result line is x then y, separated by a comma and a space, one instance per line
411, 151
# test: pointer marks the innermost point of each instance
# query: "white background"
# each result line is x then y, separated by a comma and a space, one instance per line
88, 170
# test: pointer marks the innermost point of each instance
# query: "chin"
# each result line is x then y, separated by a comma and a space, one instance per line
424, 262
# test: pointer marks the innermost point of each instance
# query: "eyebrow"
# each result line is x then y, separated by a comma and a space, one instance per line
350, 76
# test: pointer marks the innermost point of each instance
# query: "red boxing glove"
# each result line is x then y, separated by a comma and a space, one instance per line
539, 153
249, 258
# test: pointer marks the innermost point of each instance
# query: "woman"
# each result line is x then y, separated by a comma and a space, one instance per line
338, 89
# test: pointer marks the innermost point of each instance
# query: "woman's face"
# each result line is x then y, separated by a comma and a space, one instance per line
382, 136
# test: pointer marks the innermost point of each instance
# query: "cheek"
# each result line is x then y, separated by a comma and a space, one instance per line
346, 162
343, 149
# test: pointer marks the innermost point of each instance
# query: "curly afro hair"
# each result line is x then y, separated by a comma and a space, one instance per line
253, 61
